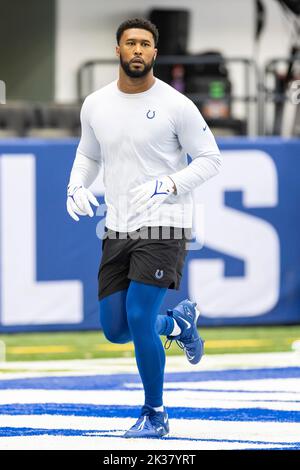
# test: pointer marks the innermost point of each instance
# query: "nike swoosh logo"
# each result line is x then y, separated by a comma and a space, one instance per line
189, 356
141, 426
204, 128
158, 185
186, 322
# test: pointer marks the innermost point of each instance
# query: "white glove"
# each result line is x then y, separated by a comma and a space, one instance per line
78, 201
152, 194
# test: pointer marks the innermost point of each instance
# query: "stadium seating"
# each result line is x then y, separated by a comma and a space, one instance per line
50, 120
16, 118
56, 120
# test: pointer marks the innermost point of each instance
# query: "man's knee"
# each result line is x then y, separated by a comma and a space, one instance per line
136, 317
117, 337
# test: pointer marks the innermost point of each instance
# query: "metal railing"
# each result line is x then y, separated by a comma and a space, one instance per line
270, 92
250, 76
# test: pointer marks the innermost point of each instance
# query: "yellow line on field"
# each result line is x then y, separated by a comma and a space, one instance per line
209, 344
229, 343
114, 347
39, 349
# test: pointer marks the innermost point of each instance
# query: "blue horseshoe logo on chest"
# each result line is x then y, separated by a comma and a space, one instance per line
149, 116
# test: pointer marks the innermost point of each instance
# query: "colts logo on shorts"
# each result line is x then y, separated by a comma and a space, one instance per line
159, 273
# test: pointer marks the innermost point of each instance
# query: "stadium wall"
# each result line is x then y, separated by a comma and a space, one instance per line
248, 271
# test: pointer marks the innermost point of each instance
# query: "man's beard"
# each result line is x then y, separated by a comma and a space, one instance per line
136, 73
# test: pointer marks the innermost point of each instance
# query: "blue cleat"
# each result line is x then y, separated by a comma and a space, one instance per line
151, 424
186, 315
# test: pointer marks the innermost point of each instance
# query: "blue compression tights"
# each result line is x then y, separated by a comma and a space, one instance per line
133, 315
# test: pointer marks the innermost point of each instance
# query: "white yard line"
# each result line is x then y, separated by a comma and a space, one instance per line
128, 365
186, 399
206, 434
272, 394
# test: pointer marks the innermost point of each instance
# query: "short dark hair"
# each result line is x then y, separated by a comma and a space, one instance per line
140, 23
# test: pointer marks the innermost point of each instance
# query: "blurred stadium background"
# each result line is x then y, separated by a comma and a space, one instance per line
239, 61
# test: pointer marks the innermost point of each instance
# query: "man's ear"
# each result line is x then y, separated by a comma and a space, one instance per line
118, 51
155, 54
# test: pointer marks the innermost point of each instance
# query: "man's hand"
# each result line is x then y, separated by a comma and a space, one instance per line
78, 201
152, 194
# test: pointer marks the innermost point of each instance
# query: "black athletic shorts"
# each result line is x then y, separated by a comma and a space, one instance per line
153, 255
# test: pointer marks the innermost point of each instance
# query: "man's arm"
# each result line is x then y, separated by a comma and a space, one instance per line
198, 141
85, 169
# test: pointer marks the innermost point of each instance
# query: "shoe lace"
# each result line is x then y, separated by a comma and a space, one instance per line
155, 420
180, 345
169, 342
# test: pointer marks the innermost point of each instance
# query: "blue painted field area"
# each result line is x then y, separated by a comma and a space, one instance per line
256, 408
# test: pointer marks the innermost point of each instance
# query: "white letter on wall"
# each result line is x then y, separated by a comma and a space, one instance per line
239, 235
26, 301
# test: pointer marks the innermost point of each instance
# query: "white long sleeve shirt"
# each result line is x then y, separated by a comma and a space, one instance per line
137, 138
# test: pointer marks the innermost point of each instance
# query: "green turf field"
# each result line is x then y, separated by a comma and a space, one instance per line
92, 344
